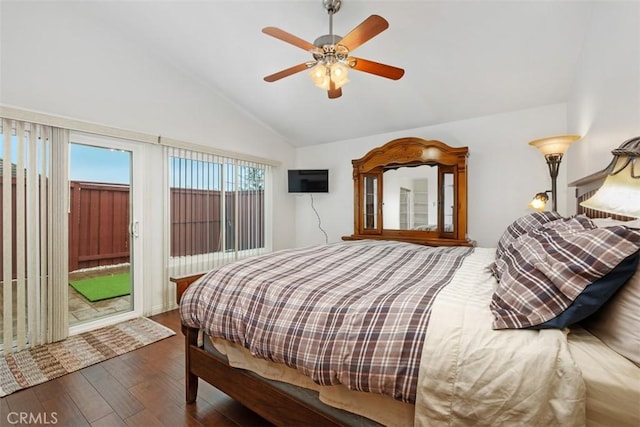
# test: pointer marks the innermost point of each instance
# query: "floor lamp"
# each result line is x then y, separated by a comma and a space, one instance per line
553, 149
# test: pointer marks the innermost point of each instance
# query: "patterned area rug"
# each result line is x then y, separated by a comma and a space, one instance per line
39, 364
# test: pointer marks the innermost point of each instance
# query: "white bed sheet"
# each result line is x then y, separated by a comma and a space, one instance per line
473, 375
382, 409
612, 381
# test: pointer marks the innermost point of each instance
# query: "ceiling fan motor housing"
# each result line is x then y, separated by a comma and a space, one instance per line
328, 46
327, 39
332, 6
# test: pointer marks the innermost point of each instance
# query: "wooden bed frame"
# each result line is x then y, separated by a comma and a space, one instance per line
268, 401
263, 398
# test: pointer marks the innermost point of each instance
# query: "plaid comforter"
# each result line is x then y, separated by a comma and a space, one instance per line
351, 313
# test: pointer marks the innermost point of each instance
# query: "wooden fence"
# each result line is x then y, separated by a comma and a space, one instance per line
99, 221
98, 225
196, 221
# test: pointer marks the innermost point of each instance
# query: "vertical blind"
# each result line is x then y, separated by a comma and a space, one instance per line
33, 164
218, 210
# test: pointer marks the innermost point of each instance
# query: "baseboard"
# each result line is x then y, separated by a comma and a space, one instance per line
161, 309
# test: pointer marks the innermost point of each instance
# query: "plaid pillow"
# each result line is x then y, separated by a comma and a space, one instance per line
518, 228
547, 269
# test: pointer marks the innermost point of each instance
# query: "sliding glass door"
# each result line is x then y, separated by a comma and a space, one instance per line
103, 231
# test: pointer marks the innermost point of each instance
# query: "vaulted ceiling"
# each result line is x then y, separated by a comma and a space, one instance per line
462, 59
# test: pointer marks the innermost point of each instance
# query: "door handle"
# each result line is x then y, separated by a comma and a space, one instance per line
134, 229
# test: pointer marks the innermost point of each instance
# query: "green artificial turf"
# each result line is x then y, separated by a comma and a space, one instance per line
103, 287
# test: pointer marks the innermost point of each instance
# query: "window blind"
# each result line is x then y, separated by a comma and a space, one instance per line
33, 272
218, 210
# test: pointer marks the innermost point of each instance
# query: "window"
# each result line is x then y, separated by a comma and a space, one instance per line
217, 210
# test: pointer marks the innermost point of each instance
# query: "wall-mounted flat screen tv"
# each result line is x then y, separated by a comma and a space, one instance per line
308, 180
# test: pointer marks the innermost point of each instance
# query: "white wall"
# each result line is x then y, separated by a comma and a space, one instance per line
54, 63
604, 103
504, 172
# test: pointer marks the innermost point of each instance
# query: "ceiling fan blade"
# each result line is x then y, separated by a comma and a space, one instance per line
368, 29
289, 38
333, 91
377, 68
285, 73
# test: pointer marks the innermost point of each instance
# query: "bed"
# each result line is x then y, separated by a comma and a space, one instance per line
462, 348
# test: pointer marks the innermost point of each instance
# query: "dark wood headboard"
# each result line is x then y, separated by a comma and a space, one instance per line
587, 187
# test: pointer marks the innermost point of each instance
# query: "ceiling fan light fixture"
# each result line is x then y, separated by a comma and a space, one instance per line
339, 74
319, 76
324, 73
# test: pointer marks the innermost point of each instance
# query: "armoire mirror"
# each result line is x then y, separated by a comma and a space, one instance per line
414, 190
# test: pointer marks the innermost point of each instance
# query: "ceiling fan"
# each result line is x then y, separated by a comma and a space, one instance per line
331, 60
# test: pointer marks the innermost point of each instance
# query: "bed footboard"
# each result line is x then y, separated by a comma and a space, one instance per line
264, 397
252, 391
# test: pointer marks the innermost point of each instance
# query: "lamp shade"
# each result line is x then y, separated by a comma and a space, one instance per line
319, 76
539, 202
620, 192
555, 144
339, 73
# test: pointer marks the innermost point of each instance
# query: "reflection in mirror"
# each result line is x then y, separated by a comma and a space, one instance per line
410, 198
370, 202
448, 202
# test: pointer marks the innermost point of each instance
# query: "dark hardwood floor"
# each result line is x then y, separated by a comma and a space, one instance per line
144, 387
